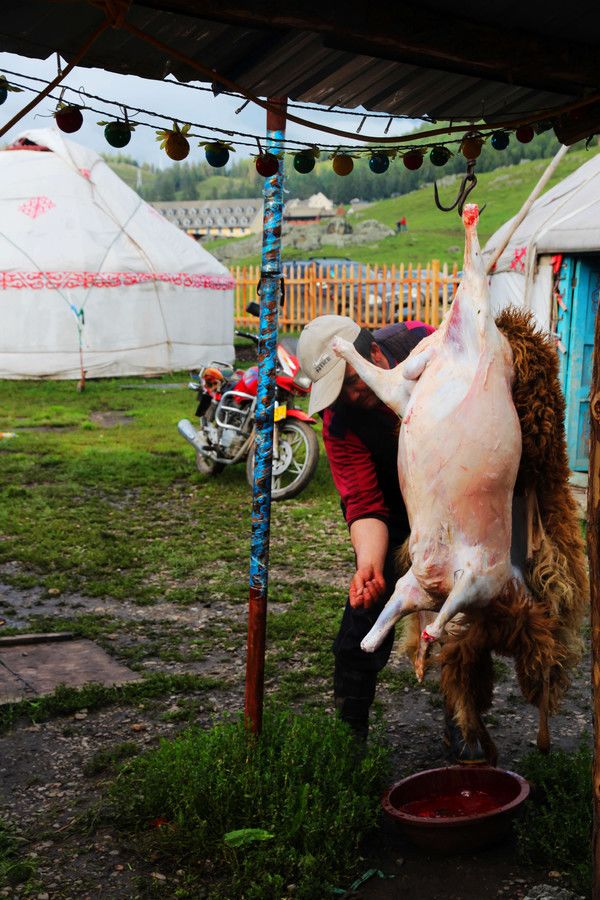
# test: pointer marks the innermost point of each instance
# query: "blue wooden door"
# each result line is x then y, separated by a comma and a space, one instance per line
580, 286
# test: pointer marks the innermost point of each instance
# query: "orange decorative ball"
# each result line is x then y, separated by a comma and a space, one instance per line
177, 146
471, 146
342, 164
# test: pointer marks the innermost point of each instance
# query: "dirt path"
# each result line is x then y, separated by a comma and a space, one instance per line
49, 783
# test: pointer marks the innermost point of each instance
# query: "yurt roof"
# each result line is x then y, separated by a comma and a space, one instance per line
71, 192
566, 219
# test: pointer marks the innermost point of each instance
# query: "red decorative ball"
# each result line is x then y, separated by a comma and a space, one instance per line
267, 165
525, 133
69, 119
413, 160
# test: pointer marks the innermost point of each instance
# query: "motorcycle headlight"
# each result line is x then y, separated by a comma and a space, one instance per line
302, 380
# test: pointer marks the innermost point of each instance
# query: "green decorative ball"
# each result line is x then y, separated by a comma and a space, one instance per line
439, 156
117, 134
304, 162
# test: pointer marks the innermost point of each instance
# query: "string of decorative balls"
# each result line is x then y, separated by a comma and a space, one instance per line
176, 144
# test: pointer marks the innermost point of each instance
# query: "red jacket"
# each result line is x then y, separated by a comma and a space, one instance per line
362, 445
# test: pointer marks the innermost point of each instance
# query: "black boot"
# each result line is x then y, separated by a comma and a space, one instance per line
355, 714
460, 751
353, 693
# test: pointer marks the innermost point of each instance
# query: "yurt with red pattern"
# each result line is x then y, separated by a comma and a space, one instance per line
93, 279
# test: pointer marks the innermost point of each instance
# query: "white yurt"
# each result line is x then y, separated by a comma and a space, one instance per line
565, 220
93, 279
551, 266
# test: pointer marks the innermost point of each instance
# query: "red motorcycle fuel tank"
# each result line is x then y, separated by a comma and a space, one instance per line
248, 383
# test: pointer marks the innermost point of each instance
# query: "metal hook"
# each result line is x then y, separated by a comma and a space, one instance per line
468, 183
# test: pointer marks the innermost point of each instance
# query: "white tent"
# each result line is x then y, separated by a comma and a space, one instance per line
94, 278
564, 220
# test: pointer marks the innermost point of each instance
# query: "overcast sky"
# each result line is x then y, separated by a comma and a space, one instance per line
170, 100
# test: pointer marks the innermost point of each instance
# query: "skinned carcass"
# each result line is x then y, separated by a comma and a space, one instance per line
460, 445
458, 455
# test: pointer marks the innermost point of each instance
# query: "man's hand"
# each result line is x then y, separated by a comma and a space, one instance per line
370, 542
366, 587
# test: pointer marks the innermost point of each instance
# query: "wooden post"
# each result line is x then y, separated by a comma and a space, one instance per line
265, 408
593, 544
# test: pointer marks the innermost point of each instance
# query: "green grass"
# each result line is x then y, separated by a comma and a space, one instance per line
556, 830
107, 760
437, 235
120, 511
256, 815
66, 700
16, 869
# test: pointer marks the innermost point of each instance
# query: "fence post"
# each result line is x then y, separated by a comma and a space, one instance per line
435, 292
445, 289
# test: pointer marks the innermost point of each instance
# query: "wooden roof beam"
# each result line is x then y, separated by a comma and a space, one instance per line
417, 37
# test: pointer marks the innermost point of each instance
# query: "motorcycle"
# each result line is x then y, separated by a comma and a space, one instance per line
227, 422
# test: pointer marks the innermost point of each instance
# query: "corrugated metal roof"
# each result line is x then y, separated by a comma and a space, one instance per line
291, 61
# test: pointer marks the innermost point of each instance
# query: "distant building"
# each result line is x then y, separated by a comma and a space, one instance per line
305, 212
214, 218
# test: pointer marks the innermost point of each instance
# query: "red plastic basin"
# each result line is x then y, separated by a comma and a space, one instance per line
457, 808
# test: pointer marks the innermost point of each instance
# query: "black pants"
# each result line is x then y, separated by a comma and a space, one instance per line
355, 674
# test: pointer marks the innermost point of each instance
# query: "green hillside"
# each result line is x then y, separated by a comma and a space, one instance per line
436, 235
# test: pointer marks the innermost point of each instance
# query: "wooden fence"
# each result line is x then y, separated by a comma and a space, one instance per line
371, 295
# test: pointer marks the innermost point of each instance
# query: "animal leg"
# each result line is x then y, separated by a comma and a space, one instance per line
408, 597
543, 735
462, 595
535, 652
467, 684
392, 386
423, 647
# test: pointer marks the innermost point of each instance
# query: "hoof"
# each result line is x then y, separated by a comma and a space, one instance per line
461, 752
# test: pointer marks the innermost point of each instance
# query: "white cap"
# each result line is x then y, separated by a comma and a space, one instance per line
319, 362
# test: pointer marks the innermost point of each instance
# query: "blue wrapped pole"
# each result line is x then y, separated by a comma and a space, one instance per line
270, 290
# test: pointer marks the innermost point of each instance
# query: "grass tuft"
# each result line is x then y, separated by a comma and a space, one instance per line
290, 807
556, 829
65, 700
108, 759
15, 868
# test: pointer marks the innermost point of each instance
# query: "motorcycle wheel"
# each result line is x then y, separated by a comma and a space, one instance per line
207, 466
298, 458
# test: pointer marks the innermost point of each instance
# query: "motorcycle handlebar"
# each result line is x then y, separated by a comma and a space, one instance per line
247, 334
